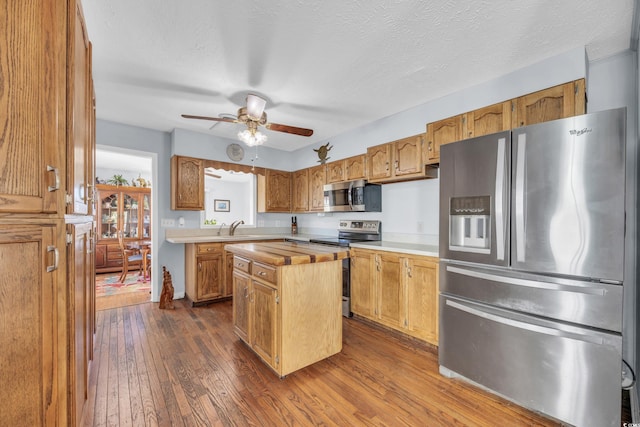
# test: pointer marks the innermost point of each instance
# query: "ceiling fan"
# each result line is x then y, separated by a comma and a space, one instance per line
252, 116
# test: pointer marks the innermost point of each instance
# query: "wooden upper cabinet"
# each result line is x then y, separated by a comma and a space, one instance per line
487, 120
407, 156
556, 102
355, 167
79, 94
187, 183
274, 191
379, 162
348, 169
397, 161
300, 184
317, 180
335, 171
440, 133
33, 106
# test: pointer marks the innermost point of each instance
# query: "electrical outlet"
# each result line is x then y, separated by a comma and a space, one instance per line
277, 223
168, 222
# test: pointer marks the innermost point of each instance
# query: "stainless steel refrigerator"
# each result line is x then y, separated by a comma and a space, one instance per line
532, 229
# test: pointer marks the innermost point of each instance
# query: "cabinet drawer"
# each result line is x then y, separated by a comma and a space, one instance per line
114, 255
208, 248
264, 272
241, 264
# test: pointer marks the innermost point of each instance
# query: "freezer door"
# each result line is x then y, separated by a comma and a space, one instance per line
568, 191
474, 199
593, 304
567, 372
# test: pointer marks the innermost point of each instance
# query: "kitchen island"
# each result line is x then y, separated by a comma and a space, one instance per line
287, 301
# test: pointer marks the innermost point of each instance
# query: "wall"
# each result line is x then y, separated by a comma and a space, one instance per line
236, 193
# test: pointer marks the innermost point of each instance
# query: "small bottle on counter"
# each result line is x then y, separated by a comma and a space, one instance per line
294, 225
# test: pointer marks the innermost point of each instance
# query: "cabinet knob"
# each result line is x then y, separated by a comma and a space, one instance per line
261, 273
430, 146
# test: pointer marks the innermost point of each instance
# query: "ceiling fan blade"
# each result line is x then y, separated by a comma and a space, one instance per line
213, 119
255, 106
289, 129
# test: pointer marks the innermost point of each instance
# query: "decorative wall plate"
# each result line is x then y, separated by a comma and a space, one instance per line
235, 152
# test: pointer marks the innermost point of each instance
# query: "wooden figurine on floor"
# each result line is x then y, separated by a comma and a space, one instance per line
166, 297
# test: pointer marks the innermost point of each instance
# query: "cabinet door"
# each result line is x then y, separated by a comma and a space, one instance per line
379, 161
317, 180
129, 218
487, 120
440, 133
389, 289
264, 322
80, 323
209, 278
101, 256
362, 294
407, 153
241, 305
108, 213
32, 325
549, 104
144, 214
79, 125
228, 274
279, 193
335, 171
187, 183
300, 190
355, 167
421, 290
32, 108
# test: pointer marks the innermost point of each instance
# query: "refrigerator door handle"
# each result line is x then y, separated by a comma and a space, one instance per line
499, 203
588, 289
519, 197
594, 339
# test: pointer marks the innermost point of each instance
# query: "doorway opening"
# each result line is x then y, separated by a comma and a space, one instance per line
125, 207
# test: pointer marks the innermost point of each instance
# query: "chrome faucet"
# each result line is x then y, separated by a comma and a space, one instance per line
233, 226
220, 229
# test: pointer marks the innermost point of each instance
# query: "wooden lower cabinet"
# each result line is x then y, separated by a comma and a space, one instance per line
204, 272
33, 362
209, 271
81, 314
289, 315
397, 290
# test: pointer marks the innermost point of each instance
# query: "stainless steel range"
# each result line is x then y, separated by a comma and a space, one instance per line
351, 231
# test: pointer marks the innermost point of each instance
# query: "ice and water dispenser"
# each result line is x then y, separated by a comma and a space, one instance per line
470, 224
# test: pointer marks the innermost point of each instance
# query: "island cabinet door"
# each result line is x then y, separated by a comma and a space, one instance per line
263, 323
241, 290
210, 273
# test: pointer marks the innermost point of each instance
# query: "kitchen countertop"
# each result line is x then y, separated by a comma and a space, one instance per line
240, 238
287, 253
384, 245
401, 247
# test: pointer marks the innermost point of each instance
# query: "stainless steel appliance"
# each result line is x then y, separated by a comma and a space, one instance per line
532, 245
351, 231
352, 196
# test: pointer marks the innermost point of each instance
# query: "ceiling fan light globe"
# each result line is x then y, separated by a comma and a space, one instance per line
252, 138
255, 106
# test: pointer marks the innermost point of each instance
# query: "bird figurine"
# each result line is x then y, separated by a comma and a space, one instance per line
322, 153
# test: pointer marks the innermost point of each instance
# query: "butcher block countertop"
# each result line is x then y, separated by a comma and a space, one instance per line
288, 253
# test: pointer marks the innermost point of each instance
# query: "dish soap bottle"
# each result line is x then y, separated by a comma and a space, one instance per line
294, 225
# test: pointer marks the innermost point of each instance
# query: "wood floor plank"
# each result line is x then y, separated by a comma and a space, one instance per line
186, 367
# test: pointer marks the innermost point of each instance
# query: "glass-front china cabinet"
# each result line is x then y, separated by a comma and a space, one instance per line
120, 208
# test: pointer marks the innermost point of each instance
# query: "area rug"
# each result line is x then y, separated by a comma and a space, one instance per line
108, 284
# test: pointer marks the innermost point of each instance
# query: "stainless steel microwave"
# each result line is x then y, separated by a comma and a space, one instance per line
352, 196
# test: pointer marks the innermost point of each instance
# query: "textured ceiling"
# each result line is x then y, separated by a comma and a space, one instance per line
330, 65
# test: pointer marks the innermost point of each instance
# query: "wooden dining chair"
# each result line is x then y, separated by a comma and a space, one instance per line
130, 257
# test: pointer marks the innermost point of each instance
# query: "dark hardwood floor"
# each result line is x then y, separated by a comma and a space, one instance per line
185, 367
